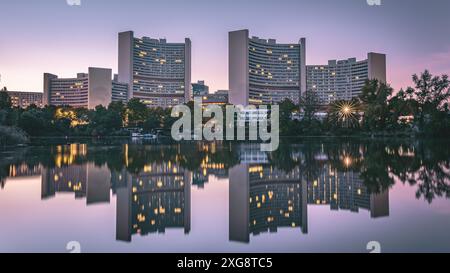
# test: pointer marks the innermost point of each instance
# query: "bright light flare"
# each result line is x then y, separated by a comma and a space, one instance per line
345, 110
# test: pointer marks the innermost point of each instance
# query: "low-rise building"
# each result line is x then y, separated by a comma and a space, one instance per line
87, 90
25, 99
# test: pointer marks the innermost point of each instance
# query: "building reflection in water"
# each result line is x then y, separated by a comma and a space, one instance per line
72, 175
156, 198
344, 190
153, 186
264, 198
23, 170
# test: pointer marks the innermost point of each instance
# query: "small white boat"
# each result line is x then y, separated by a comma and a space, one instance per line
150, 136
145, 136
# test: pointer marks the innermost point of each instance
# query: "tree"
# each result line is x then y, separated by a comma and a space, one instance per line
432, 95
105, 121
5, 100
309, 104
112, 121
428, 102
433, 90
136, 112
33, 123
374, 102
152, 122
287, 108
402, 104
118, 107
5, 107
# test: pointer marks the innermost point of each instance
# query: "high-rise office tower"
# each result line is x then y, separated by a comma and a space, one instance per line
264, 71
344, 79
87, 90
157, 72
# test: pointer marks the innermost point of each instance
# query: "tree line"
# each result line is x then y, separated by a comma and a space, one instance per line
68, 121
419, 110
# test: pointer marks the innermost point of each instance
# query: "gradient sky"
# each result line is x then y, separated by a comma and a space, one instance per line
51, 36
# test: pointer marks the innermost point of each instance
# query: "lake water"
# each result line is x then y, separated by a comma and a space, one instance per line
317, 195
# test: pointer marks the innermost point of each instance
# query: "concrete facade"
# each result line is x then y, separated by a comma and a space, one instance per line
157, 72
87, 90
263, 71
344, 79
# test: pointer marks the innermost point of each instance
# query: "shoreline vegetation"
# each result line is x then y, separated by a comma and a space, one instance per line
12, 136
419, 112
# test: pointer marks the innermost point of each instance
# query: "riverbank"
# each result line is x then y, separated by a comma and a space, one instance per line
12, 136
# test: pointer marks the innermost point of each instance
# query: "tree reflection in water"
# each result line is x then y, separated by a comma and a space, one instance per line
379, 164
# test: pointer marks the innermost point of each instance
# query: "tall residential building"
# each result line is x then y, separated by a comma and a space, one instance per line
157, 72
264, 71
25, 99
87, 90
200, 89
344, 79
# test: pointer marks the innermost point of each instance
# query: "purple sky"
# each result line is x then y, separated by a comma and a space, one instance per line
51, 36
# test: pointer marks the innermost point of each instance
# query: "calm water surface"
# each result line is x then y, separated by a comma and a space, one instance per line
309, 196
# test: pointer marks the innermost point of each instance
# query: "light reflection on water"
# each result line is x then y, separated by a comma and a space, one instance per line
199, 197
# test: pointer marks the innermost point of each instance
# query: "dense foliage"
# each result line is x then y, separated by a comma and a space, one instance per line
101, 121
419, 110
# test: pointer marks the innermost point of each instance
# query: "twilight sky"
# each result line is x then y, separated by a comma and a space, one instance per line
51, 36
